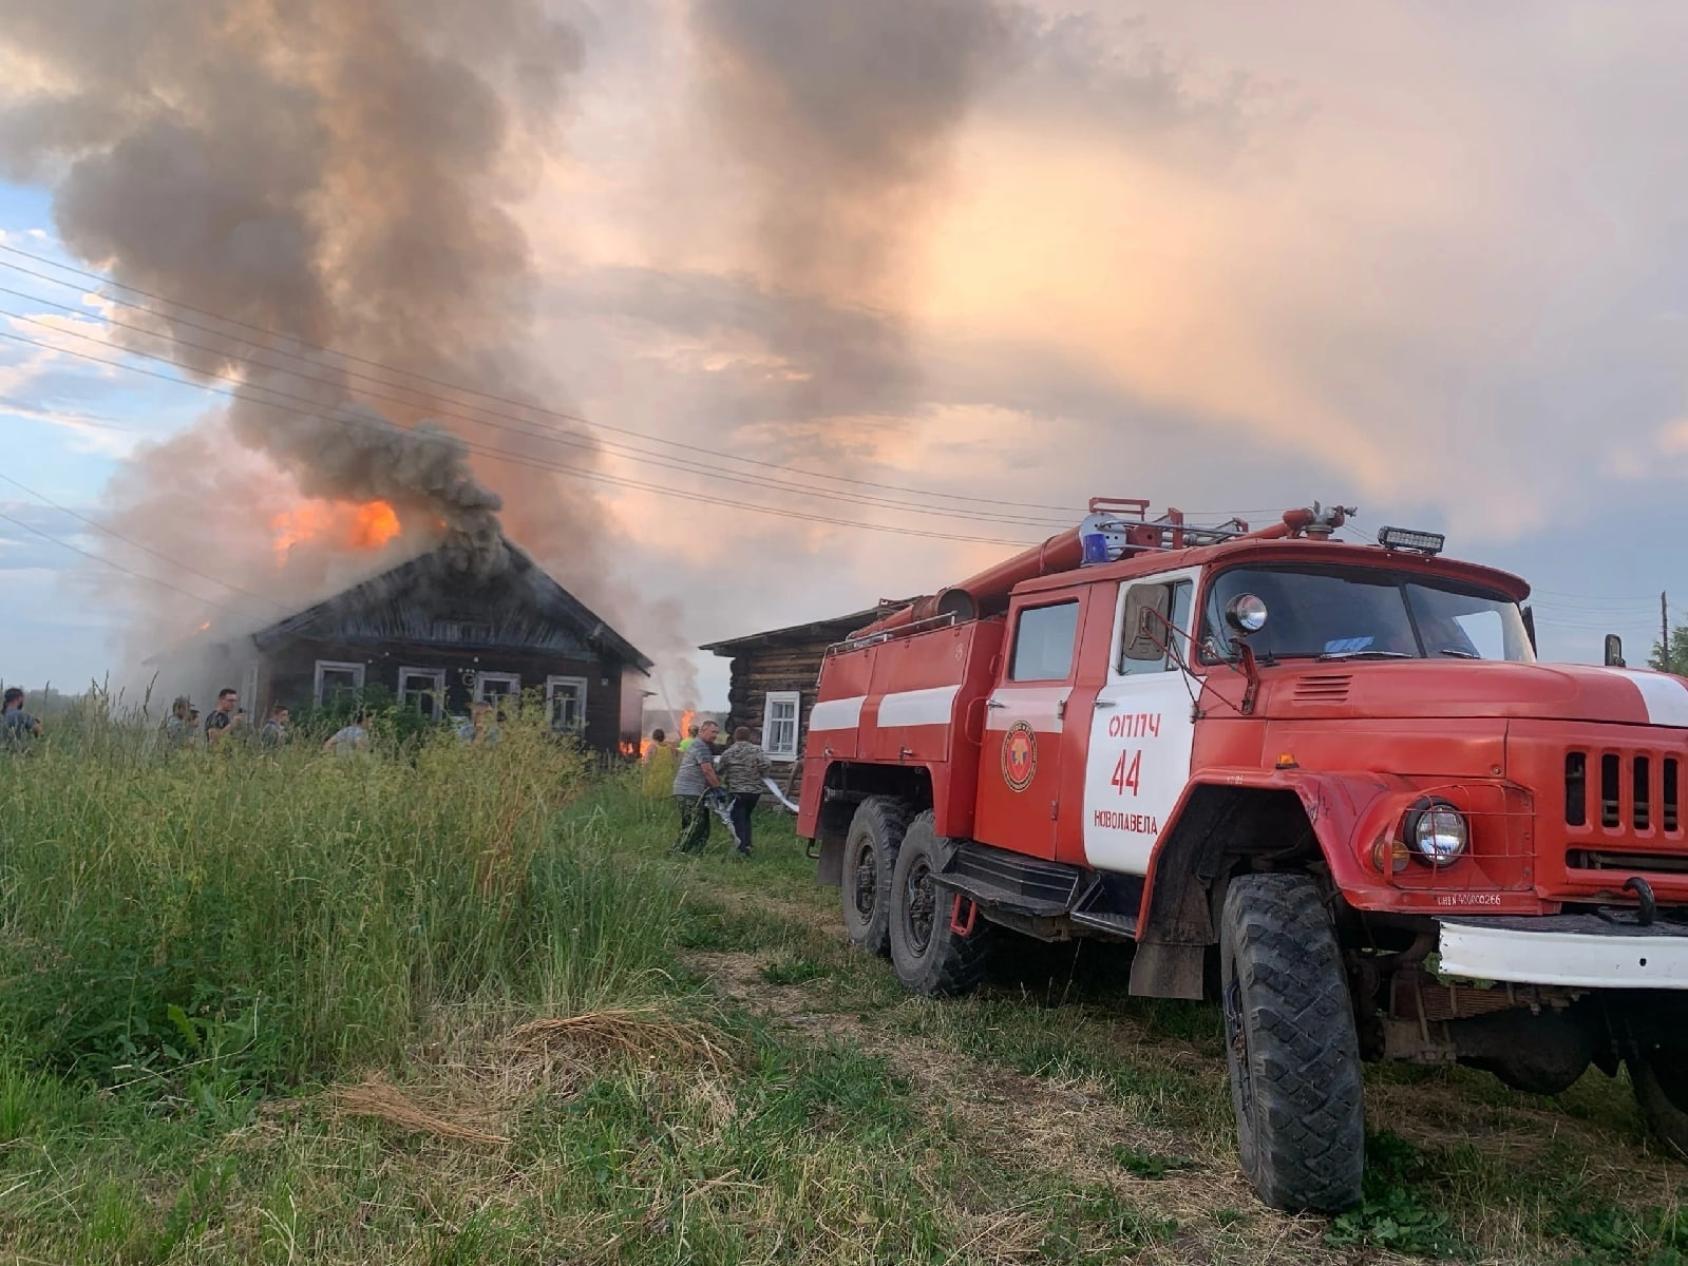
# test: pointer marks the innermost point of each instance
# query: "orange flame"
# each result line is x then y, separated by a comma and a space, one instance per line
304, 521
374, 524
366, 526
686, 719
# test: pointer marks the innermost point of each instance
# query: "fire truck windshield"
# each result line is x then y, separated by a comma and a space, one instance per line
1363, 613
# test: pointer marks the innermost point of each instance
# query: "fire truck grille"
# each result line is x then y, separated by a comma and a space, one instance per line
1607, 859
1623, 791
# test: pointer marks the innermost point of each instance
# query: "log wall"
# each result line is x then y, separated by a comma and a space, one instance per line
790, 666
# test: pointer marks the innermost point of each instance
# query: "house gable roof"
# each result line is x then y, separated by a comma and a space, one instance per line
832, 629
426, 599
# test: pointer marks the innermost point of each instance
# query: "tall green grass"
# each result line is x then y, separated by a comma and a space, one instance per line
272, 917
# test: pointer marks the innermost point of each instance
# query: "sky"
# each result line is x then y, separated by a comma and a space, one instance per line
1424, 259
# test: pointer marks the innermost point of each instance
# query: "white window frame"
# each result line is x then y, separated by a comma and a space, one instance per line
481, 680
437, 676
339, 666
783, 754
249, 688
579, 684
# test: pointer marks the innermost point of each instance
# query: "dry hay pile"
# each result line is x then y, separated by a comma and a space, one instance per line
556, 1054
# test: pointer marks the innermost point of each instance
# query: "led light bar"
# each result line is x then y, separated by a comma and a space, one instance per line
1407, 539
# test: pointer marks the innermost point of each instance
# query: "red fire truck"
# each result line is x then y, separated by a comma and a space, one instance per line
1325, 782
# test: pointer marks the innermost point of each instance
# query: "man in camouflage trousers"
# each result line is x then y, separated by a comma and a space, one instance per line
743, 766
694, 778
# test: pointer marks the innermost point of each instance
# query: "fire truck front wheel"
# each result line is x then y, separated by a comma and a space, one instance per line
1660, 1078
1291, 1044
930, 956
870, 853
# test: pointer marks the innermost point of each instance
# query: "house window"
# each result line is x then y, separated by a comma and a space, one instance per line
495, 688
565, 703
336, 679
779, 724
424, 690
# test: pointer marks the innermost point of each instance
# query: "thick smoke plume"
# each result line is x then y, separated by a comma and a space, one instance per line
333, 173
841, 116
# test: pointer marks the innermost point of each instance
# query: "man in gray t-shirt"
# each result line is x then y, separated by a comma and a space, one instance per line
694, 777
17, 727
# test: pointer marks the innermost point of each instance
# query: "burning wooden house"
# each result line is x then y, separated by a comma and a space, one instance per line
440, 638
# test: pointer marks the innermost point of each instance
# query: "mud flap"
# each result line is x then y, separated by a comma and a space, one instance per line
1162, 970
829, 866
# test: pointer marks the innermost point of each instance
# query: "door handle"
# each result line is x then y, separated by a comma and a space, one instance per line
1106, 703
995, 703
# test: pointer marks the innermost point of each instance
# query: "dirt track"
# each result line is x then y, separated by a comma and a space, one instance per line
1076, 1126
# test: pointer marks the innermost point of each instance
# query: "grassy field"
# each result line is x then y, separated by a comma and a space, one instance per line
454, 1006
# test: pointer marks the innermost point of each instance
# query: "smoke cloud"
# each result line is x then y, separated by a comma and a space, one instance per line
841, 117
336, 175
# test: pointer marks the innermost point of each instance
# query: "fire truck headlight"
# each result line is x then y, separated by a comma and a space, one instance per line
1246, 613
1436, 832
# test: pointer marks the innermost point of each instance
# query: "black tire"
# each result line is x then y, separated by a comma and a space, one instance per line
870, 853
929, 956
1660, 1078
1291, 1044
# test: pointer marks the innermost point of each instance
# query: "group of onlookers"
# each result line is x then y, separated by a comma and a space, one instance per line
228, 720
182, 728
706, 780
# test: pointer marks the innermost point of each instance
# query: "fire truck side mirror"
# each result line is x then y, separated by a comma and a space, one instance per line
1614, 651
1246, 614
1144, 606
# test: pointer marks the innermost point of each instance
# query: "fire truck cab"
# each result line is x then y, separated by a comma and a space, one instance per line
1327, 783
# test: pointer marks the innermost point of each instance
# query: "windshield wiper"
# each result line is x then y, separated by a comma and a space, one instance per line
1458, 654
1330, 655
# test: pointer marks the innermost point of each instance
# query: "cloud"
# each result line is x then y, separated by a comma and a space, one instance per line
92, 435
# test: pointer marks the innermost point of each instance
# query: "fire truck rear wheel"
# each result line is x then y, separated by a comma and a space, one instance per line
870, 853
1660, 1078
1291, 1044
929, 955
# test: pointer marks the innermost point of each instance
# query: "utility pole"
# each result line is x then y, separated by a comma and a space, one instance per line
1664, 634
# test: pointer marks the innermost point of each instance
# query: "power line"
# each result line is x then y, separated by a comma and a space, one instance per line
100, 558
551, 435
473, 391
1571, 599
129, 540
497, 454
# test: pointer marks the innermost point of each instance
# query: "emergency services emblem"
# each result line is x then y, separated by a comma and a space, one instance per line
1019, 756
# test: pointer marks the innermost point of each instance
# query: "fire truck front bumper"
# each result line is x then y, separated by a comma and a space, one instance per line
1584, 951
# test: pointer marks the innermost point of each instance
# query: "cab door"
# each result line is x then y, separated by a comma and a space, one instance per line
1142, 727
1025, 716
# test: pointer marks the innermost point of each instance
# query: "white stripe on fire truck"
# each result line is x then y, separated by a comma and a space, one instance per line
1665, 697
837, 714
1043, 706
933, 706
